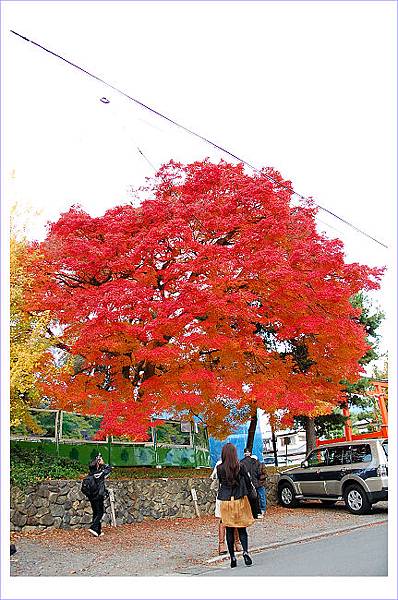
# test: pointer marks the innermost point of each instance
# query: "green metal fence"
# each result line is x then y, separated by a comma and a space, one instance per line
71, 435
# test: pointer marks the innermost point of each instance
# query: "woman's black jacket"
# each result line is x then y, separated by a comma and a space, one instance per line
99, 477
239, 490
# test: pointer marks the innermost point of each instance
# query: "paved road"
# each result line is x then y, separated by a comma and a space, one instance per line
361, 552
173, 547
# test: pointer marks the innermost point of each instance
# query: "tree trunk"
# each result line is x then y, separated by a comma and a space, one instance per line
274, 446
310, 433
252, 431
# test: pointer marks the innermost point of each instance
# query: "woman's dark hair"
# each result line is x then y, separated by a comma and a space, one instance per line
230, 463
93, 466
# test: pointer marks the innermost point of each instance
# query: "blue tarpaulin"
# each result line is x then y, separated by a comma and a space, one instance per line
239, 439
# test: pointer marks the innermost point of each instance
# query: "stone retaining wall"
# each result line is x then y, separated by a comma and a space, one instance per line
53, 504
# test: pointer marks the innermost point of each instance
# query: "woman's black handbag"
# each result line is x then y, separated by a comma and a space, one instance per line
252, 495
255, 506
251, 490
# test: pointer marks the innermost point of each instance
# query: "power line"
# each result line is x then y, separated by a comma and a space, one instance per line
197, 135
124, 129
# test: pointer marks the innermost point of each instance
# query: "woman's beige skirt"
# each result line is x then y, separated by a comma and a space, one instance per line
236, 513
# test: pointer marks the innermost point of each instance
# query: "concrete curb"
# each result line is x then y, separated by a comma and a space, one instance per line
306, 538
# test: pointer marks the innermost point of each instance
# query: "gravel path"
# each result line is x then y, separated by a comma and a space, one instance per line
167, 546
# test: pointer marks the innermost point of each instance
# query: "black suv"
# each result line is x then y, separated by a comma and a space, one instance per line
355, 471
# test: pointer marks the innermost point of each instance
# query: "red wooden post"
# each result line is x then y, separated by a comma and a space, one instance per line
380, 393
382, 405
384, 415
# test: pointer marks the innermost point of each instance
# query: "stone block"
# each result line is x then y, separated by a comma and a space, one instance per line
19, 519
43, 510
46, 520
29, 528
86, 519
61, 499
43, 491
57, 510
54, 487
65, 484
73, 495
39, 501
21, 508
28, 501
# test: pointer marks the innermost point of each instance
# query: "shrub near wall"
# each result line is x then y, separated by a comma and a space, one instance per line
54, 504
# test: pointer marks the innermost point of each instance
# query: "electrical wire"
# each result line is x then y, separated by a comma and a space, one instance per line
191, 132
128, 134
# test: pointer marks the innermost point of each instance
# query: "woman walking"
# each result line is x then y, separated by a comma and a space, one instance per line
222, 549
234, 503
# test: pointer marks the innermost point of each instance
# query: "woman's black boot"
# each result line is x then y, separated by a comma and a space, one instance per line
247, 559
233, 562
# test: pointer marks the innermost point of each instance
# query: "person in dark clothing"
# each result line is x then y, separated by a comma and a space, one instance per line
234, 504
252, 466
262, 490
99, 470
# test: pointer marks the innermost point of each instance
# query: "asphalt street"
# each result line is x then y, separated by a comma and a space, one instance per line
178, 547
358, 553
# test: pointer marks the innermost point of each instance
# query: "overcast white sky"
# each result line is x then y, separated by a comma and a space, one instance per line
308, 88
305, 87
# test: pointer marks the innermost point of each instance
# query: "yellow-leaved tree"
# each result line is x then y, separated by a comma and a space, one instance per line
29, 338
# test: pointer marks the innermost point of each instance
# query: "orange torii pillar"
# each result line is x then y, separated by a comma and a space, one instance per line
380, 395
347, 424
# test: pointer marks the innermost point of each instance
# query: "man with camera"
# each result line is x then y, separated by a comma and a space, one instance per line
98, 470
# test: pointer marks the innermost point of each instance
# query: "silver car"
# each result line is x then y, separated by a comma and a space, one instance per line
355, 471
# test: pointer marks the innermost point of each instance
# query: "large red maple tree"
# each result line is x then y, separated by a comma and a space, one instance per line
215, 297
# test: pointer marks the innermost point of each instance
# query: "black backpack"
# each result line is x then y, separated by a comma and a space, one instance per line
89, 487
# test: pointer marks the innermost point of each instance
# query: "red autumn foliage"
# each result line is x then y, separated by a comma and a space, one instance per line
214, 297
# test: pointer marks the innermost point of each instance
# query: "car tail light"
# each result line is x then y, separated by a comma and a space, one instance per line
382, 470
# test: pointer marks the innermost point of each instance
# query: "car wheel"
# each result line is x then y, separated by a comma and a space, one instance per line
356, 500
329, 502
286, 495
